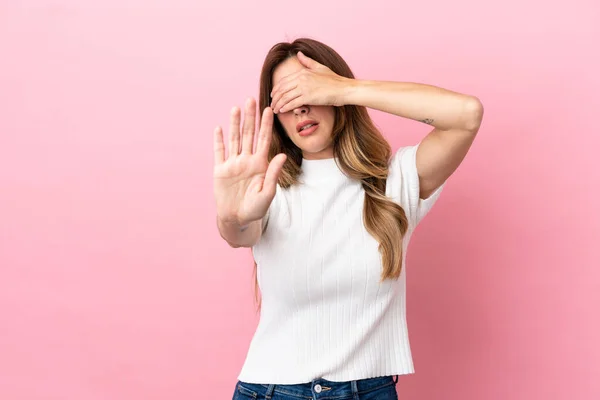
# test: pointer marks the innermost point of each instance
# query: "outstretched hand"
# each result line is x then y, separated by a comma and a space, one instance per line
245, 181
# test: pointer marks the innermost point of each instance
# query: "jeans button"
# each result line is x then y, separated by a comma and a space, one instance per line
318, 388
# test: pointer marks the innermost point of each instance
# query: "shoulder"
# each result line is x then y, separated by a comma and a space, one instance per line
403, 184
404, 159
402, 170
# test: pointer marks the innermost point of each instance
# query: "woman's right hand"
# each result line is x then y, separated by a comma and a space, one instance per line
245, 181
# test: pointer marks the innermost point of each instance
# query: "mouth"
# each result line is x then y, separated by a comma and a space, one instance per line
306, 125
309, 130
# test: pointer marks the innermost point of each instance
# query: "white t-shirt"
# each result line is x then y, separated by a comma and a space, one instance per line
324, 312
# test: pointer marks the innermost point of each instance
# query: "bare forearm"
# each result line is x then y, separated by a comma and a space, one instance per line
441, 108
240, 236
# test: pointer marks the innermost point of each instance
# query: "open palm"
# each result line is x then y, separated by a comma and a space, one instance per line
245, 181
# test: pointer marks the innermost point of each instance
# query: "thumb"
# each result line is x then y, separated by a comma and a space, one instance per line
273, 171
307, 61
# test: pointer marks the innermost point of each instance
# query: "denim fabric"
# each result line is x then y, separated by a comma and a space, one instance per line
381, 388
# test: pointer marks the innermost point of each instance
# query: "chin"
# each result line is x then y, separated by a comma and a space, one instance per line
314, 144
320, 151
311, 147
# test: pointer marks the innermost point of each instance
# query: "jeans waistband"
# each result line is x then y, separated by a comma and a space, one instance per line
320, 388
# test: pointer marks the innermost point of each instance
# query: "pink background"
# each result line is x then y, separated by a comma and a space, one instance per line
114, 283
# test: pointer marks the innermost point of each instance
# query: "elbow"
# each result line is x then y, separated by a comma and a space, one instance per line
474, 114
238, 245
233, 244
230, 243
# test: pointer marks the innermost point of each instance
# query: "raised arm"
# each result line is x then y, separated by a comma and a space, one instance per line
456, 119
245, 181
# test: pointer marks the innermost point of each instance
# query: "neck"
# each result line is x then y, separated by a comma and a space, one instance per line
325, 153
322, 169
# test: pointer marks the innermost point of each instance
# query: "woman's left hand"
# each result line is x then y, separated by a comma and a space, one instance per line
315, 84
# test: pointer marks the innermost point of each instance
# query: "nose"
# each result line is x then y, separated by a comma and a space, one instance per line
301, 110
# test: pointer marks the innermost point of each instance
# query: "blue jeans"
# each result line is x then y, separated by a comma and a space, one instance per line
381, 388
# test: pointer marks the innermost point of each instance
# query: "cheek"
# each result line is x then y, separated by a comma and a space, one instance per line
287, 123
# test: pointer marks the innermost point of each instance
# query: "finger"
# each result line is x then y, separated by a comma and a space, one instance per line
307, 61
284, 104
278, 84
272, 175
284, 81
282, 91
219, 146
234, 132
249, 126
266, 132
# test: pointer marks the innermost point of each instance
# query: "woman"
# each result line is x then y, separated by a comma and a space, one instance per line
328, 211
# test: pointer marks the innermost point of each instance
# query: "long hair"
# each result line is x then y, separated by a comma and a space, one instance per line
361, 150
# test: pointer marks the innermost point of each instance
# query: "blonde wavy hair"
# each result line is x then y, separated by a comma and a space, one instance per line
361, 150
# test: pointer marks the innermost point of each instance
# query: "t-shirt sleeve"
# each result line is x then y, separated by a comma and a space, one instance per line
403, 185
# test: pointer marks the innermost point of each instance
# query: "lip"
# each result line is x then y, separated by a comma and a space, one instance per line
304, 123
308, 131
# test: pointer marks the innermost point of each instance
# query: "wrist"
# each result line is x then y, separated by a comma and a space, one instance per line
234, 222
350, 88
